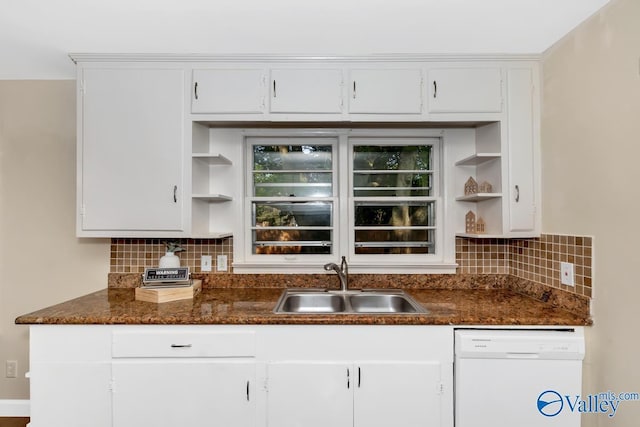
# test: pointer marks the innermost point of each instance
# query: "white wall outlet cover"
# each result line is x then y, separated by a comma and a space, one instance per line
221, 265
205, 263
567, 274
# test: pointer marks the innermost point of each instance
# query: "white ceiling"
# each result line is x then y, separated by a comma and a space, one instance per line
37, 35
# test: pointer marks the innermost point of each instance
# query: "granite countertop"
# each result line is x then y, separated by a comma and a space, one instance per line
232, 305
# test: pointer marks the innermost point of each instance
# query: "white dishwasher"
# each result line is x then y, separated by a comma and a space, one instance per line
507, 378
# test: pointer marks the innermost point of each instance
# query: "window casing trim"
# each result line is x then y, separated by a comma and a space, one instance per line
439, 262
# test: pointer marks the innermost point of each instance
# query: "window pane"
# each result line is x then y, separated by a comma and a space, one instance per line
292, 227
292, 157
388, 185
394, 241
292, 214
291, 241
385, 171
397, 157
394, 214
285, 184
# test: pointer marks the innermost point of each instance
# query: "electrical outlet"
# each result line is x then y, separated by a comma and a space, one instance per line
11, 369
221, 265
205, 263
567, 274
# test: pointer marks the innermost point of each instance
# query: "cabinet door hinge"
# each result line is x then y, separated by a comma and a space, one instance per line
440, 388
112, 386
82, 87
82, 210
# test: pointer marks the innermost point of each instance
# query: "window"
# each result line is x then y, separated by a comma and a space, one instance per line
372, 195
394, 195
293, 196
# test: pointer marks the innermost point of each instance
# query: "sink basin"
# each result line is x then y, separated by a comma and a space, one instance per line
312, 303
383, 303
304, 301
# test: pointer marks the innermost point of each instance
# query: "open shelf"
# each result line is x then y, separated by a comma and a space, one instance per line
212, 158
478, 159
478, 197
481, 236
212, 235
212, 197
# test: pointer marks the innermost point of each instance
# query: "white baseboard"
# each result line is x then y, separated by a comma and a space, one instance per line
14, 408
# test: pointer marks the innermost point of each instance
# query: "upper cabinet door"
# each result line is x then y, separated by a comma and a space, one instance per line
131, 150
228, 91
313, 91
522, 155
465, 90
385, 91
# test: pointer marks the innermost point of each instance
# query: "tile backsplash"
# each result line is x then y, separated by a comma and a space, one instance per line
133, 255
537, 260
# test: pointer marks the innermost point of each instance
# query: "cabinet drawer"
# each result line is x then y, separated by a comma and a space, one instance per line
183, 344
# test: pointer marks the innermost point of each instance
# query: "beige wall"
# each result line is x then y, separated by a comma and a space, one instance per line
590, 172
41, 262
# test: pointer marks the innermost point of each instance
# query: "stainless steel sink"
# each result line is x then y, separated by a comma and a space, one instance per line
383, 303
312, 302
304, 301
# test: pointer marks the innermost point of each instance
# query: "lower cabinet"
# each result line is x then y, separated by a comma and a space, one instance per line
241, 376
366, 394
169, 393
70, 394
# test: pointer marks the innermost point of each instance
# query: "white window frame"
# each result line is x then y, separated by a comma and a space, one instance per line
442, 261
396, 140
277, 261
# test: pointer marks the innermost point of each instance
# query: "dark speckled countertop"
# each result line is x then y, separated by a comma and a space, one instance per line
497, 304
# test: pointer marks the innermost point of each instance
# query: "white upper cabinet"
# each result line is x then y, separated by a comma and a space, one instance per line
130, 151
228, 91
522, 151
385, 91
306, 91
464, 90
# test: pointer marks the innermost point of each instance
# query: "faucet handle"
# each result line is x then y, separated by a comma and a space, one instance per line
343, 265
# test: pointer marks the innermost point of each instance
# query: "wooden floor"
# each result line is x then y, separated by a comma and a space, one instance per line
13, 422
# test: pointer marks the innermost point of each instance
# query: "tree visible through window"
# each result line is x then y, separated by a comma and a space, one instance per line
388, 190
393, 199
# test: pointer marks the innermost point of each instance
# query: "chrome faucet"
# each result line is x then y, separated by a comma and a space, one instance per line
343, 273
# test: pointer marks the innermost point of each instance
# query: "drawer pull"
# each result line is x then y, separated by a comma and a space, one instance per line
180, 345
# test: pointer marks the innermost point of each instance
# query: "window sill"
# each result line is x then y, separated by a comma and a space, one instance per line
379, 268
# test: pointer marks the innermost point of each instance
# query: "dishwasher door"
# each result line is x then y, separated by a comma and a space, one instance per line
507, 378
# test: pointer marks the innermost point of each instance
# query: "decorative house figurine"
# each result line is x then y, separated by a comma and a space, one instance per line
470, 223
470, 187
485, 187
480, 226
